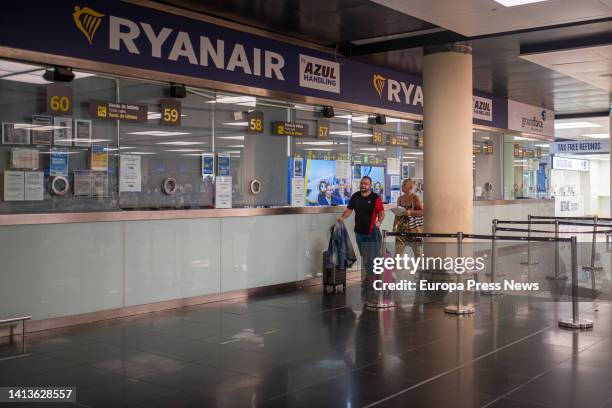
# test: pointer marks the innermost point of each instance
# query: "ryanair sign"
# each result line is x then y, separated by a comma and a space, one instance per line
134, 36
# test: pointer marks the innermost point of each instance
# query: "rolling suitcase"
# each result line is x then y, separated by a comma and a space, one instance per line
332, 276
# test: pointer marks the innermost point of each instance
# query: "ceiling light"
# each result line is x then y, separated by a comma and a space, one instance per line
236, 123
319, 149
180, 143
231, 137
542, 144
373, 149
316, 143
157, 115
30, 78
512, 3
236, 146
183, 150
142, 153
575, 125
417, 153
522, 138
159, 133
597, 135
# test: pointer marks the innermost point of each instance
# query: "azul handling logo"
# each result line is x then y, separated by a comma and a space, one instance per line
319, 74
397, 91
196, 50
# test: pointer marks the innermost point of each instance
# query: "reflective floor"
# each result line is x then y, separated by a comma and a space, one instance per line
307, 349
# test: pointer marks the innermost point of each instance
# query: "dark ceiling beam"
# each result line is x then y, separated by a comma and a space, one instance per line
567, 44
582, 115
442, 37
449, 36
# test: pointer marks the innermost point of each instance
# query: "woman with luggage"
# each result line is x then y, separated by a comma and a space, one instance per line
410, 221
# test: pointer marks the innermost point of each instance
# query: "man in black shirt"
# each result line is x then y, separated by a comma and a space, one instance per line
369, 214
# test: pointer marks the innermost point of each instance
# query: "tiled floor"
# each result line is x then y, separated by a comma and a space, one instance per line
307, 349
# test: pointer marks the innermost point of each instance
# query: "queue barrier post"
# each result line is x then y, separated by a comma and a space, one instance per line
575, 322
459, 309
592, 266
493, 292
381, 302
529, 260
556, 275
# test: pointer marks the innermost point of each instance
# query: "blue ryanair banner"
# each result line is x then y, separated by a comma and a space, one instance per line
130, 35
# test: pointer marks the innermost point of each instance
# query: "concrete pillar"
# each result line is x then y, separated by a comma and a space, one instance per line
447, 114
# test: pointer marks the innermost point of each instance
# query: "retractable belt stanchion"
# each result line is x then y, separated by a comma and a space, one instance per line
529, 260
575, 322
459, 308
556, 275
380, 302
592, 266
493, 262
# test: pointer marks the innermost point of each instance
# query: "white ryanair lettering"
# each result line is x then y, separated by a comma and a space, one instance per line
125, 34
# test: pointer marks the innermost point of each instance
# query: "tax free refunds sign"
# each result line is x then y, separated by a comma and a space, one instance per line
581, 146
125, 34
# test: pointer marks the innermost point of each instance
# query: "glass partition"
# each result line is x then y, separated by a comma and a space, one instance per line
81, 161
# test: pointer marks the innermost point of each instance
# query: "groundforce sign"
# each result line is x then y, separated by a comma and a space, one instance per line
131, 35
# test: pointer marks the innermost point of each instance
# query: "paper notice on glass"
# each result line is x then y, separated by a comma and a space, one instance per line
130, 177
223, 192
13, 186
394, 196
22, 158
393, 166
99, 157
355, 185
34, 186
343, 169
297, 192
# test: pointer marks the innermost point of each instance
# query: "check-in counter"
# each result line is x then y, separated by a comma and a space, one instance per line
86, 266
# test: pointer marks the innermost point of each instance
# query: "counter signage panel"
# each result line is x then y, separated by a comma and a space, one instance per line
566, 163
131, 35
118, 111
290, 129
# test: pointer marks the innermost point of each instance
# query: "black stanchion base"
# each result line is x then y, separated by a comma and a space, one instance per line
581, 324
492, 292
553, 277
460, 310
592, 268
380, 306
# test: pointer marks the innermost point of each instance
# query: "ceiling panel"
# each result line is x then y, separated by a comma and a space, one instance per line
497, 67
477, 17
327, 22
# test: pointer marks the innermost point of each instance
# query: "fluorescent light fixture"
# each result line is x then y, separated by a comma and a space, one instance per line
513, 3
127, 147
236, 100
597, 135
79, 75
157, 115
316, 144
542, 144
575, 125
11, 66
180, 143
183, 150
236, 124
373, 149
349, 133
30, 78
232, 137
409, 162
319, 149
236, 146
522, 138
159, 133
416, 153
142, 153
